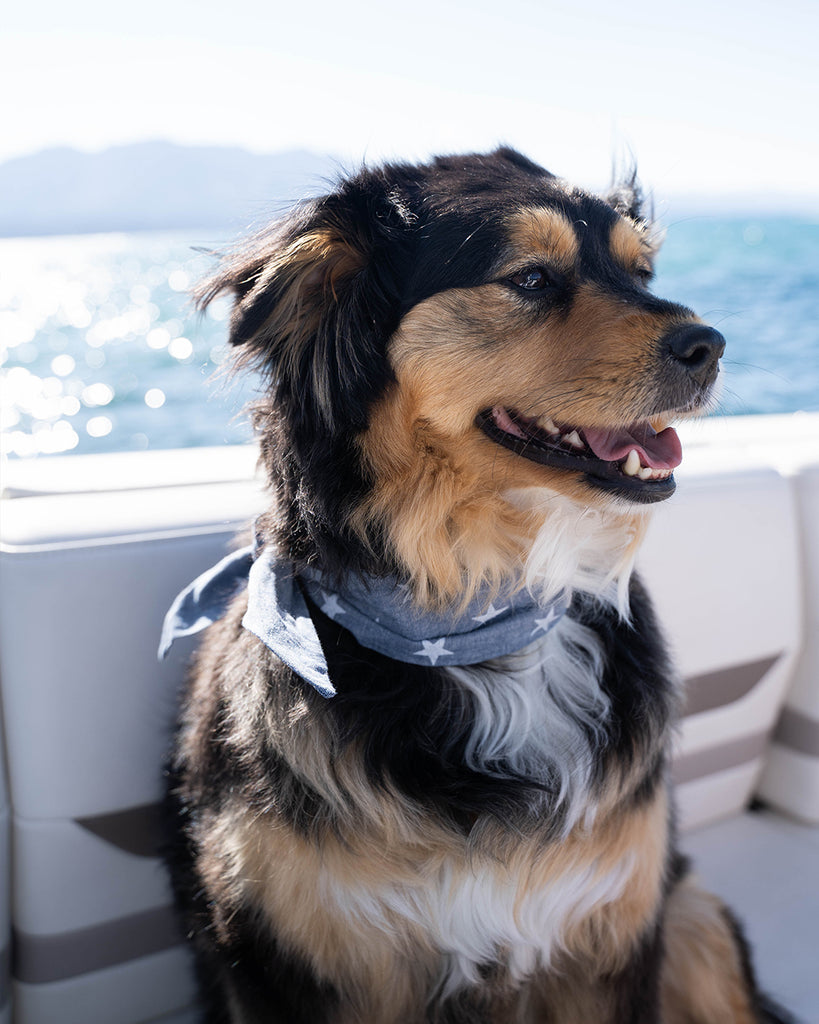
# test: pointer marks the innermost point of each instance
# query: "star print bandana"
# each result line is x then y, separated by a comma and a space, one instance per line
378, 612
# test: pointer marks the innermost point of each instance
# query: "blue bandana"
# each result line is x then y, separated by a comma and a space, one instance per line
378, 612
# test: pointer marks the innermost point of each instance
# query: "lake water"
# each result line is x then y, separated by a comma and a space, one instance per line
102, 352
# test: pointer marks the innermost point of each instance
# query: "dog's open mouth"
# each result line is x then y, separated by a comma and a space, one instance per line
634, 462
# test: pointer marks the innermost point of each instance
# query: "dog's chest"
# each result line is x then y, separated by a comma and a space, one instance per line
481, 913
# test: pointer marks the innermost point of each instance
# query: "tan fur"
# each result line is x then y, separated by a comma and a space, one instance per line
607, 937
630, 246
702, 979
440, 485
545, 234
303, 889
441, 504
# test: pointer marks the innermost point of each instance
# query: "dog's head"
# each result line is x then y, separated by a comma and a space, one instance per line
449, 347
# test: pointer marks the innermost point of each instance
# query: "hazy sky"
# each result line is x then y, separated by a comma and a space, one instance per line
711, 96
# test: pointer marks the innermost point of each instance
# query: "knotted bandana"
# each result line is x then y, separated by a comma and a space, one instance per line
378, 612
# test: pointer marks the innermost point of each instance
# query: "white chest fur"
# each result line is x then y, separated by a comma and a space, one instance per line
539, 713
483, 913
534, 713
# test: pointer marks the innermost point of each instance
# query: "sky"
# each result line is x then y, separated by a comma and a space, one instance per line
714, 98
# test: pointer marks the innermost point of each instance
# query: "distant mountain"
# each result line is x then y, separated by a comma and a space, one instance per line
153, 185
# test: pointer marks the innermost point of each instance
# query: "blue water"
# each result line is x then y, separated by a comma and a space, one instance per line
758, 282
102, 351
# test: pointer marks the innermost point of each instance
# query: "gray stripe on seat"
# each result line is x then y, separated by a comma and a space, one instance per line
798, 732
719, 759
135, 830
38, 959
715, 689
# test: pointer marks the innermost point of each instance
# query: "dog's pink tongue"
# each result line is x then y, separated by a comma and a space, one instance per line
658, 451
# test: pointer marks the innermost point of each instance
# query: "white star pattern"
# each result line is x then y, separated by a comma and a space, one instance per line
544, 624
331, 605
433, 650
490, 613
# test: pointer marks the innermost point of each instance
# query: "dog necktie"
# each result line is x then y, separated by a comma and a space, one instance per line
378, 612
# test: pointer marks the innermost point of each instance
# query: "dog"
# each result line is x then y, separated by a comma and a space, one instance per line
421, 772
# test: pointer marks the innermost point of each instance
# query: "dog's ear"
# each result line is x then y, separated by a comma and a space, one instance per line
317, 298
626, 197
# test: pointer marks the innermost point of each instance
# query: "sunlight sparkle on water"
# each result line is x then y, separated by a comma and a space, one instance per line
158, 338
99, 426
154, 398
180, 348
63, 365
104, 323
97, 394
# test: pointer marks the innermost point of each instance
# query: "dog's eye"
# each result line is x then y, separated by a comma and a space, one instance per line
533, 279
644, 275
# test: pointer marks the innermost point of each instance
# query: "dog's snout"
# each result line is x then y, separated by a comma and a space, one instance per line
697, 348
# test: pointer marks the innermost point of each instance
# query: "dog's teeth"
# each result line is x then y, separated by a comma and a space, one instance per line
574, 440
631, 467
548, 424
646, 473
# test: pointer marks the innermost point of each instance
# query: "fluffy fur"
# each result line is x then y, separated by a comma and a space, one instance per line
453, 356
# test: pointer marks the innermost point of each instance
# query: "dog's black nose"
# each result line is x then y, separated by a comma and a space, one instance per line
697, 348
